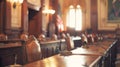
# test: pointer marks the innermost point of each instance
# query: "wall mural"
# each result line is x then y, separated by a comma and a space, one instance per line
107, 15
114, 10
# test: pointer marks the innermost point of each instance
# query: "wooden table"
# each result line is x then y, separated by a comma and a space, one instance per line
65, 61
99, 48
92, 56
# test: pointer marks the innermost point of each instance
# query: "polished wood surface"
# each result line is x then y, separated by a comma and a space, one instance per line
98, 48
64, 61
88, 56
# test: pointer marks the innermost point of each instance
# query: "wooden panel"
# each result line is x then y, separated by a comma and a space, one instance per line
35, 22
24, 17
8, 51
94, 15
2, 16
50, 48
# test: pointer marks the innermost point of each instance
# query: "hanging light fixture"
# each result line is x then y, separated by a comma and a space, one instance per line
48, 11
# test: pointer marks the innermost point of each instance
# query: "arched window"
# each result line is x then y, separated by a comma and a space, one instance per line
74, 18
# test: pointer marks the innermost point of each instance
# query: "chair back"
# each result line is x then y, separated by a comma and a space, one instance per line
54, 37
41, 37
84, 39
70, 43
63, 36
33, 50
3, 37
24, 37
90, 38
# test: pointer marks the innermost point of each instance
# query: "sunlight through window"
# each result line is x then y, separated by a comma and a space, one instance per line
74, 17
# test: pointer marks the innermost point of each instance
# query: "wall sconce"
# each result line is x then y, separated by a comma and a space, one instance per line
46, 11
16, 2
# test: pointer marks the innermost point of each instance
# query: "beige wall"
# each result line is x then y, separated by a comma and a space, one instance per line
15, 15
85, 4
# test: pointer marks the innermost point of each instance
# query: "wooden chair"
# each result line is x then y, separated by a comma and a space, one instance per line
95, 36
24, 36
90, 38
54, 37
41, 37
84, 39
70, 43
63, 36
33, 50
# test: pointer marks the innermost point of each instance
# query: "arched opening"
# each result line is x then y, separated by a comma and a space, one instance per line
74, 18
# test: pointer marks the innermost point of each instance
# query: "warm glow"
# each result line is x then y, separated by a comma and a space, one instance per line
20, 1
78, 18
16, 1
74, 17
73, 61
48, 11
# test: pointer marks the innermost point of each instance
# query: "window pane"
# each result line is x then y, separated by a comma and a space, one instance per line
68, 21
78, 18
72, 18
